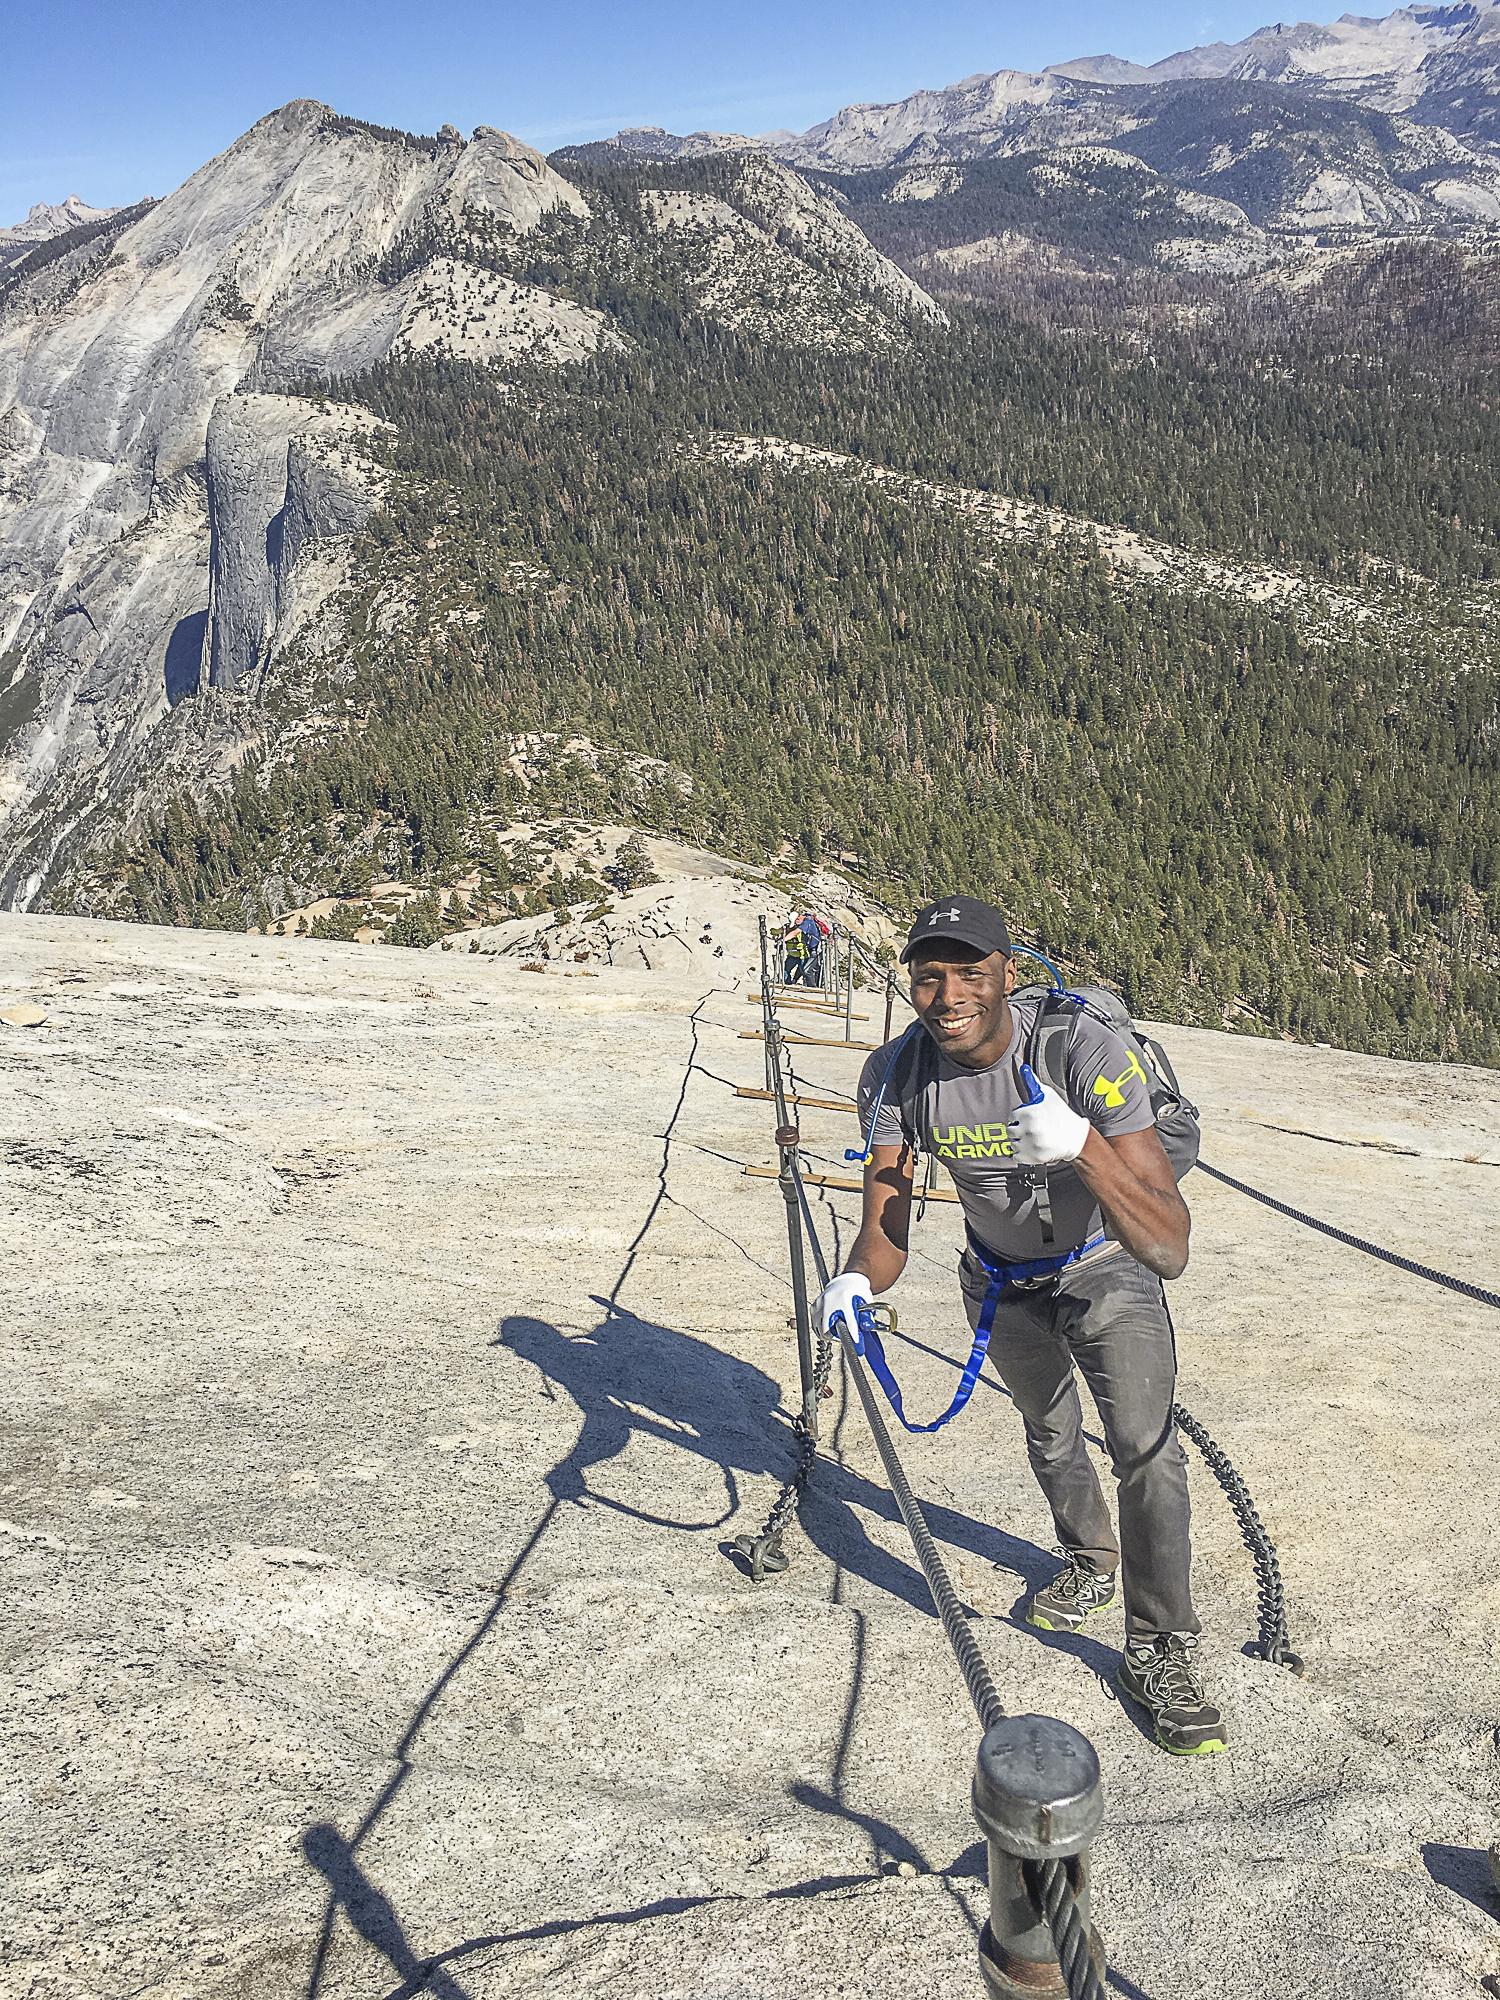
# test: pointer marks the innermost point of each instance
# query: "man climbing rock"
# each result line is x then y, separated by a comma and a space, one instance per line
1068, 1263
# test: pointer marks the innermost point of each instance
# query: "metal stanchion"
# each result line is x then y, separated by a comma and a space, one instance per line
890, 1001
787, 1138
1039, 1802
849, 990
765, 998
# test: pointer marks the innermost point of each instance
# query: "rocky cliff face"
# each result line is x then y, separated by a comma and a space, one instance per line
170, 515
279, 473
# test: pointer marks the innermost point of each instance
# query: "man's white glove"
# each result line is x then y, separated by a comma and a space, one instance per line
845, 1295
1046, 1132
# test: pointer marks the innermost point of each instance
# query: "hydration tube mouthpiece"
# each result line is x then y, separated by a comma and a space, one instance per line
857, 1153
1036, 1092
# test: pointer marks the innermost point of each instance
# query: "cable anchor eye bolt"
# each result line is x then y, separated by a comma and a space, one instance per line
1039, 1803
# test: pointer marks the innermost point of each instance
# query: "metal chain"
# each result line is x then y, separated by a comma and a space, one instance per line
1273, 1645
764, 1551
1475, 1292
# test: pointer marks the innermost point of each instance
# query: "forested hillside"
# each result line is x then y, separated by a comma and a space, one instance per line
1289, 820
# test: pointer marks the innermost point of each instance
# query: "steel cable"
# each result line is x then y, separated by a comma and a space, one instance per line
1460, 1285
1069, 1938
960, 1636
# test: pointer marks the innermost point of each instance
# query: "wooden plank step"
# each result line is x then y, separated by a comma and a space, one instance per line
838, 1181
810, 1041
823, 1103
808, 1006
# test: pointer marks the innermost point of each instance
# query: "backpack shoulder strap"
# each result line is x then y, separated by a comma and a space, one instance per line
1051, 1040
1162, 1064
913, 1070
1052, 1032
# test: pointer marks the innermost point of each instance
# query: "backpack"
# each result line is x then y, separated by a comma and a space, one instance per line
1052, 1032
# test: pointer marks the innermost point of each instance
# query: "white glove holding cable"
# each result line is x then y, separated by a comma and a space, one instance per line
1045, 1131
845, 1294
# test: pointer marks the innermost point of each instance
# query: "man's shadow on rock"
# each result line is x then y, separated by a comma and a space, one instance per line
633, 1377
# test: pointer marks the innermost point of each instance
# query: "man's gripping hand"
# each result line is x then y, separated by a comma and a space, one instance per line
848, 1295
1046, 1132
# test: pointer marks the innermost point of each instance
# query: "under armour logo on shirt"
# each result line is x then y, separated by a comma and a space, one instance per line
937, 916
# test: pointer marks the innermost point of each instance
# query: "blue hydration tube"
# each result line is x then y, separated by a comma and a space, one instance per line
862, 1153
1030, 951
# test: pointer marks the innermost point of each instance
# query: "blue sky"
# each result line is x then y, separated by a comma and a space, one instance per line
115, 101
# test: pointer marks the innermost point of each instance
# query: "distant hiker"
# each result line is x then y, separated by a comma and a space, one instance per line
1069, 1264
802, 950
818, 956
795, 953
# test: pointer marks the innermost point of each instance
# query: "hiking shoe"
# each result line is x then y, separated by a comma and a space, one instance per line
1074, 1595
1161, 1676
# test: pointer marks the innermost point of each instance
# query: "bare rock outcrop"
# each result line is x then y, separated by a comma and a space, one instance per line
782, 262
269, 265
279, 474
393, 1345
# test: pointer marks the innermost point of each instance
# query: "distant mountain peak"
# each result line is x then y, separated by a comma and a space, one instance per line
43, 220
1436, 65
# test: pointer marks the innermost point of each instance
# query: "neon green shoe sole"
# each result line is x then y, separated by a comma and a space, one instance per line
1209, 1747
1045, 1624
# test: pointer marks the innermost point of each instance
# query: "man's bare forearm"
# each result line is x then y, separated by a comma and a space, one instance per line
877, 1257
1150, 1220
880, 1247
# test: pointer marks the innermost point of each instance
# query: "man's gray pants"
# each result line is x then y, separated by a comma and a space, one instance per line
1108, 1318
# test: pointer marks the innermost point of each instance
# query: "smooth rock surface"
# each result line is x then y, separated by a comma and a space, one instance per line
392, 1341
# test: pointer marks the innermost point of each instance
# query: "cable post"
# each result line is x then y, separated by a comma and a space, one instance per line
766, 1007
787, 1139
1039, 1803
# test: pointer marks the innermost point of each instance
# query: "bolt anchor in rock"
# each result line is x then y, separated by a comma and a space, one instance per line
1038, 1799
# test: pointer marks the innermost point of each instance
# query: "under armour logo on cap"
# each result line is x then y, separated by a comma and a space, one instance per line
960, 920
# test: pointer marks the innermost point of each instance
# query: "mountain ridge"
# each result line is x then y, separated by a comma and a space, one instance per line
1379, 127
1381, 62
150, 477
43, 222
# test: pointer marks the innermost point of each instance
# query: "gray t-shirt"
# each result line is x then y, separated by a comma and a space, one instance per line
961, 1116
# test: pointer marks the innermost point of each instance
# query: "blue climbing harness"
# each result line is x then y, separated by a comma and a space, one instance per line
1002, 1278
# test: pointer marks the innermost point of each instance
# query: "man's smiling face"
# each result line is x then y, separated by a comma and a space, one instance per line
962, 999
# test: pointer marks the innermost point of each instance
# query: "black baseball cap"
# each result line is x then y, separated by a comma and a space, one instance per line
961, 920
